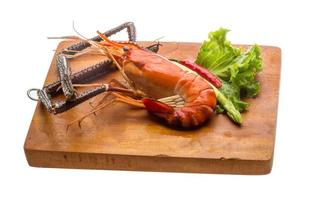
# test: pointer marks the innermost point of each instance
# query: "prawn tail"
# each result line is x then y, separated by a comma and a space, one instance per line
162, 111
185, 117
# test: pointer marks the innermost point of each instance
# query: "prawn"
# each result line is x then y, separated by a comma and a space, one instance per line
172, 92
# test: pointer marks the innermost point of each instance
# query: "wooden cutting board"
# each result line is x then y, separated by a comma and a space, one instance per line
126, 138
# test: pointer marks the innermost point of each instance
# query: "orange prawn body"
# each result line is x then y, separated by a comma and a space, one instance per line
158, 78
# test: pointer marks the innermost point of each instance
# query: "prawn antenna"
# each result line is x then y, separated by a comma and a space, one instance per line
93, 43
159, 38
78, 33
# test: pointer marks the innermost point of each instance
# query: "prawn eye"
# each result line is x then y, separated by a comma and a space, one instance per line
125, 48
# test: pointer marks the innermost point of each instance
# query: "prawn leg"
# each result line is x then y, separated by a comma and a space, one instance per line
113, 82
118, 98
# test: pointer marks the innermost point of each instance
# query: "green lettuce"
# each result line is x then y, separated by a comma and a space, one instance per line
236, 68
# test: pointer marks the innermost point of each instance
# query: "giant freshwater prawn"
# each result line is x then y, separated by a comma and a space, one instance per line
174, 93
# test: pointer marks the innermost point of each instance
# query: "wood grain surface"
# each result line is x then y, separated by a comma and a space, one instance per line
125, 138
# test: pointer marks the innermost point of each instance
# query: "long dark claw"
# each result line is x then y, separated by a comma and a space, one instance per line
91, 73
63, 106
71, 50
86, 75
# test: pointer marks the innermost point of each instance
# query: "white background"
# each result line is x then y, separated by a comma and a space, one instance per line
25, 57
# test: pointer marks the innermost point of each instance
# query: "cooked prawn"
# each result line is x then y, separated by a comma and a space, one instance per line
166, 89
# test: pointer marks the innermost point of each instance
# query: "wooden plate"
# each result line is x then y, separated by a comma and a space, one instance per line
124, 138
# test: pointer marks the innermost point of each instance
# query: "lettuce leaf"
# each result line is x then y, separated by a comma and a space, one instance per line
236, 69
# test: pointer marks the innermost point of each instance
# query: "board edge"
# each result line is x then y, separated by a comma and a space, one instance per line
74, 160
